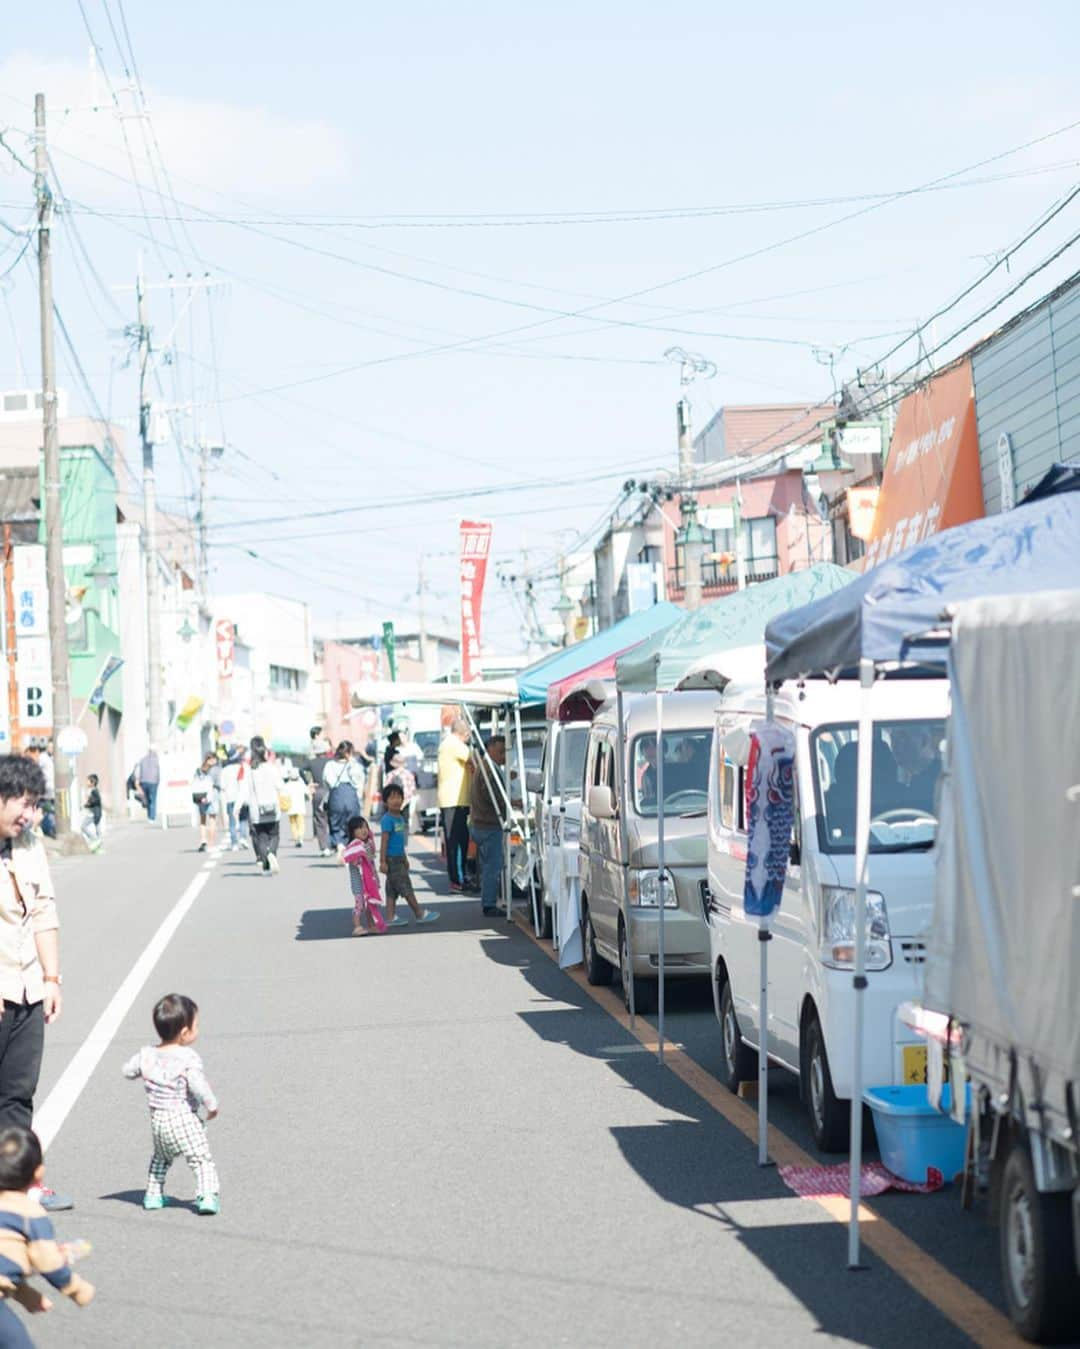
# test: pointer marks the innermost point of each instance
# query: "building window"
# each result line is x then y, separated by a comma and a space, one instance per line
284, 679
760, 559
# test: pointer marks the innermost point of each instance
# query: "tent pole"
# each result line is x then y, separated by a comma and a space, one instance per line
660, 870
525, 815
624, 859
864, 781
764, 937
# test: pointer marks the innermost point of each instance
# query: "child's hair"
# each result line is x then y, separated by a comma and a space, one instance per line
20, 1157
92, 778
172, 1014
355, 825
389, 791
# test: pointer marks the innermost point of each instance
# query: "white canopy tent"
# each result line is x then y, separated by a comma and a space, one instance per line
501, 699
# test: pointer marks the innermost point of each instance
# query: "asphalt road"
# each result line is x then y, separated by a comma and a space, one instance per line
430, 1138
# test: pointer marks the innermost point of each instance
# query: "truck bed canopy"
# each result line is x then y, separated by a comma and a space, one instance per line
533, 683
1005, 939
688, 654
888, 614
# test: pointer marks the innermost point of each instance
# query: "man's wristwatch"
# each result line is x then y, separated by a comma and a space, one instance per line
53, 978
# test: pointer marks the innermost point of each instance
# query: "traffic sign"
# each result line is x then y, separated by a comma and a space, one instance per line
72, 741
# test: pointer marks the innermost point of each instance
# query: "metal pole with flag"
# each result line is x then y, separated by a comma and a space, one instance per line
475, 536
770, 814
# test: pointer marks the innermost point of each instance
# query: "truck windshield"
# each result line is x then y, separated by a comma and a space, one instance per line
906, 768
570, 763
686, 772
429, 743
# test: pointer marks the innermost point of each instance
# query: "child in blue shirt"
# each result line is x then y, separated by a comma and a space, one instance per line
393, 861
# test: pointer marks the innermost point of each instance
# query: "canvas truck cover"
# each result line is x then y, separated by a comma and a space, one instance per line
1004, 950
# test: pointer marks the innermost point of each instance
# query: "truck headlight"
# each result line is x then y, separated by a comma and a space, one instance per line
642, 890
838, 928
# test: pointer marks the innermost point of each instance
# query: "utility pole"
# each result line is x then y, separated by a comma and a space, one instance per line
54, 525
690, 536
153, 587
204, 559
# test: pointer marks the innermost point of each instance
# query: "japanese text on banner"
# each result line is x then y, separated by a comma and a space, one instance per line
475, 545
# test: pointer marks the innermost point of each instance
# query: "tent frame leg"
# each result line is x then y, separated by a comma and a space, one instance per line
864, 781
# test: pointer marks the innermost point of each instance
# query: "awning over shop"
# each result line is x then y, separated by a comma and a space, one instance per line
932, 477
887, 614
688, 654
533, 683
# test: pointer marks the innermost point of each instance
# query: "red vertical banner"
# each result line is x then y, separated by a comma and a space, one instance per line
475, 546
225, 641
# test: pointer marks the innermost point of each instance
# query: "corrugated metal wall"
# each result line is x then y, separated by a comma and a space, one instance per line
1027, 385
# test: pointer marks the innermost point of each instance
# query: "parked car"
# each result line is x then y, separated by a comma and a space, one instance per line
557, 788
618, 852
810, 1003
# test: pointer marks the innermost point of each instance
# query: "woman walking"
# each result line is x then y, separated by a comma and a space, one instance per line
343, 777
264, 790
204, 792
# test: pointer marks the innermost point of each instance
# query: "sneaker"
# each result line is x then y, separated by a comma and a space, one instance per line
49, 1200
429, 916
202, 847
207, 1204
153, 1201
397, 921
456, 889
273, 868
298, 845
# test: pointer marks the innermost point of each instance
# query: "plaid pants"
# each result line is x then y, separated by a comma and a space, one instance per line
180, 1133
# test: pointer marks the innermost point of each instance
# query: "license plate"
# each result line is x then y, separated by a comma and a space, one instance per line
915, 1065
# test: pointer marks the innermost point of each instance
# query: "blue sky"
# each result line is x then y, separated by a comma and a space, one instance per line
336, 115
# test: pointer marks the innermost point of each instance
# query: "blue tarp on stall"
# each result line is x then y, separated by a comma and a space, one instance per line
886, 614
533, 682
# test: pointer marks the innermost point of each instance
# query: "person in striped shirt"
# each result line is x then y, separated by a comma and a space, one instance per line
28, 1243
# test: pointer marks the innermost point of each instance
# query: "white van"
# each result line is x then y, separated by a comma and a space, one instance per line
618, 849
557, 819
810, 1029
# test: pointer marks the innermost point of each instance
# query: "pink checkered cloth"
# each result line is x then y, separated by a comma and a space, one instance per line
814, 1182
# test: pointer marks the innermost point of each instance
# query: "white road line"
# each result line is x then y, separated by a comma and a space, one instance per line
54, 1110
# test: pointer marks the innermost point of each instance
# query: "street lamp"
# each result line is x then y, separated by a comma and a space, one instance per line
187, 632
564, 607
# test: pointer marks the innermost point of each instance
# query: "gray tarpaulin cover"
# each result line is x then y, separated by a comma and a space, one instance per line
1004, 950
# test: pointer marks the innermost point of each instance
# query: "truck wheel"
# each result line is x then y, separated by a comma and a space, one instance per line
646, 991
597, 970
1038, 1268
830, 1118
738, 1062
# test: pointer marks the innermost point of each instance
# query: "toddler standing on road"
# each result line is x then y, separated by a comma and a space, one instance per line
394, 862
359, 856
175, 1087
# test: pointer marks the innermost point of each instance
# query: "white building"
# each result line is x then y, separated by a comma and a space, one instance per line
270, 689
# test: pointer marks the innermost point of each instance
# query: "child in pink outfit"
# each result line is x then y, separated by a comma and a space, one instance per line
359, 857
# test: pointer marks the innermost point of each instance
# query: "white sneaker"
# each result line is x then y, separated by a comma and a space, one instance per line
274, 867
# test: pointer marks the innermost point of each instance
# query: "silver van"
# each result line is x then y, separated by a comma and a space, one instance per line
618, 846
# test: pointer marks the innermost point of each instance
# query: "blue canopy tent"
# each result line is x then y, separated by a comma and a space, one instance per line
533, 682
897, 617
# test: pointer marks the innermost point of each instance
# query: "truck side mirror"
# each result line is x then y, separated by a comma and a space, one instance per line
601, 804
534, 781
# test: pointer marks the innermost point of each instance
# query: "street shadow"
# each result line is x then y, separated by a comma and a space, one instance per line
135, 1199
701, 1162
325, 924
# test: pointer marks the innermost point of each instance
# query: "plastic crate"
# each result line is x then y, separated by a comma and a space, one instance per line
913, 1136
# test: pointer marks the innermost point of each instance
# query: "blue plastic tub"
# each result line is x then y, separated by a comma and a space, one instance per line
912, 1135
